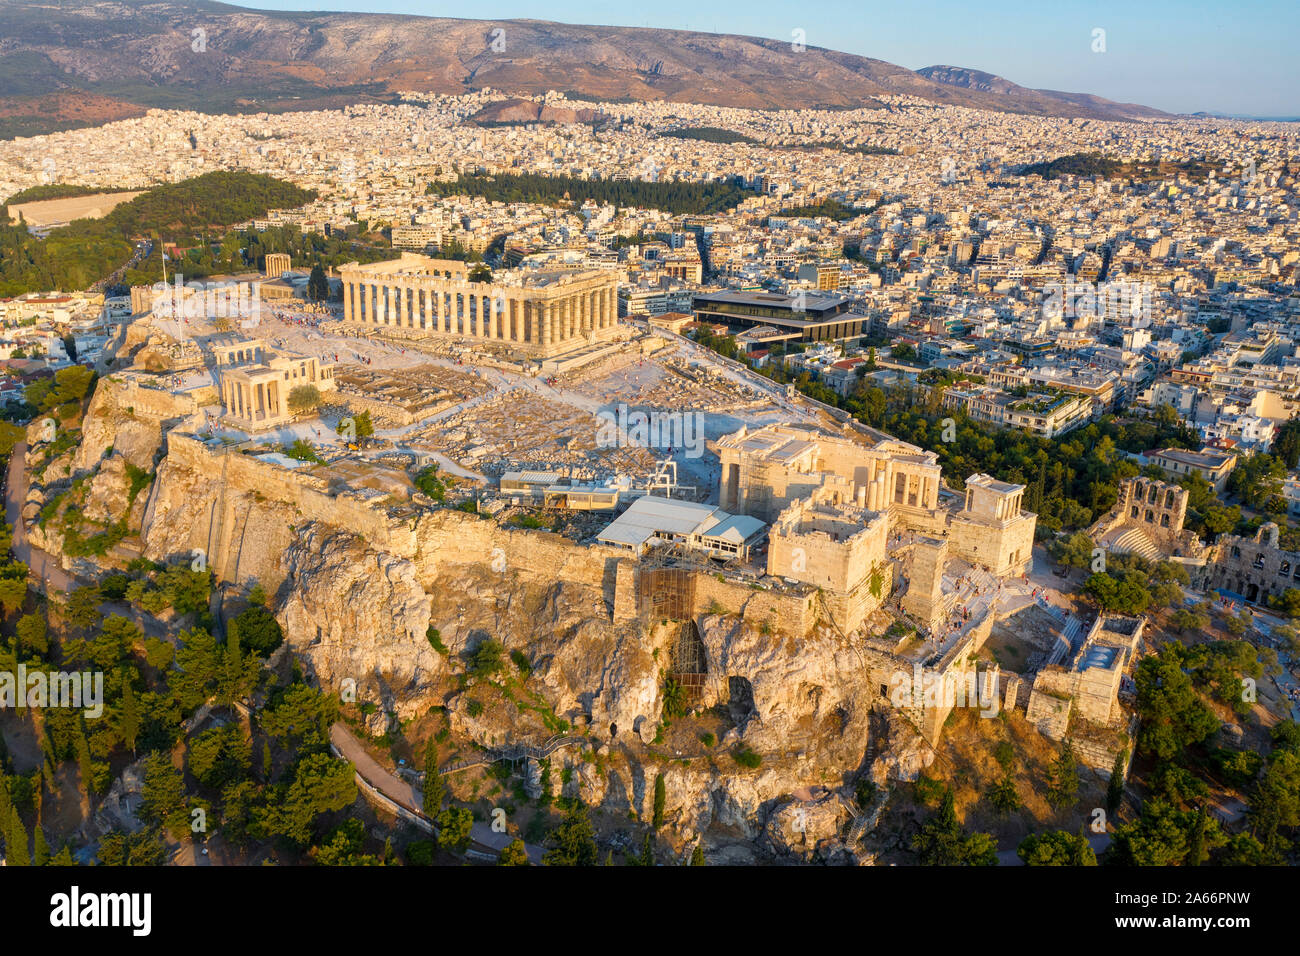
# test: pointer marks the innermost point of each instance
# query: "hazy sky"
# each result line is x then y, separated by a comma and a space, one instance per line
1184, 56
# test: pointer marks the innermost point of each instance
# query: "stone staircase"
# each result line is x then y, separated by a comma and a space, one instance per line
1072, 631
1067, 642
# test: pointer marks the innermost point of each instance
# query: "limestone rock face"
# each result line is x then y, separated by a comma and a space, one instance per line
802, 828
351, 612
242, 534
534, 593
812, 692
109, 424
906, 757
581, 663
108, 490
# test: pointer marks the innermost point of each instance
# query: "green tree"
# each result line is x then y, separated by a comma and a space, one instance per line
40, 849
258, 630
342, 847
362, 424
16, 853
573, 842
1161, 836
301, 720
304, 399
1063, 775
318, 286
1173, 716
13, 591
1286, 443
321, 784
487, 659
30, 632
238, 675
514, 854
941, 841
659, 800
1196, 853
1003, 796
1115, 789
129, 722
1274, 807
1074, 551
697, 855
1056, 848
145, 848
162, 799
454, 828
434, 788
63, 857
219, 757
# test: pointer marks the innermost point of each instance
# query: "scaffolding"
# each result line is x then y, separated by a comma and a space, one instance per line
665, 588
688, 662
665, 593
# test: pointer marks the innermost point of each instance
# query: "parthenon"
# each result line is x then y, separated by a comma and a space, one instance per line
539, 314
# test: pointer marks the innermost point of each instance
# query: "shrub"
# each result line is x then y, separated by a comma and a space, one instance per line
487, 659
420, 852
520, 660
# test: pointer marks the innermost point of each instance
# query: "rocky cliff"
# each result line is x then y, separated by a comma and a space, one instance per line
359, 598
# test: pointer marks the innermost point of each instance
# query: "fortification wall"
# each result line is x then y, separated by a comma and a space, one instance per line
791, 612
242, 513
152, 402
1003, 549
1051, 701
447, 538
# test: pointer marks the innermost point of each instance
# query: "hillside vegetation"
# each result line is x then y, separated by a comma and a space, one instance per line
81, 253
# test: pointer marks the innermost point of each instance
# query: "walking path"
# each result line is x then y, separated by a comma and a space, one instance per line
405, 795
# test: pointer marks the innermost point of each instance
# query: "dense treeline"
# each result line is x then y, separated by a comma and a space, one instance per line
85, 251
709, 134
57, 191
180, 211
1098, 164
827, 208
866, 149
241, 249
73, 257
680, 198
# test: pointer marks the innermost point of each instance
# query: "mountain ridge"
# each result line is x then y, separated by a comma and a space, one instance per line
200, 54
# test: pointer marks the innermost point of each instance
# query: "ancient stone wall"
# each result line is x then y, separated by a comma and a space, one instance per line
1051, 701
235, 508
1004, 548
1256, 568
